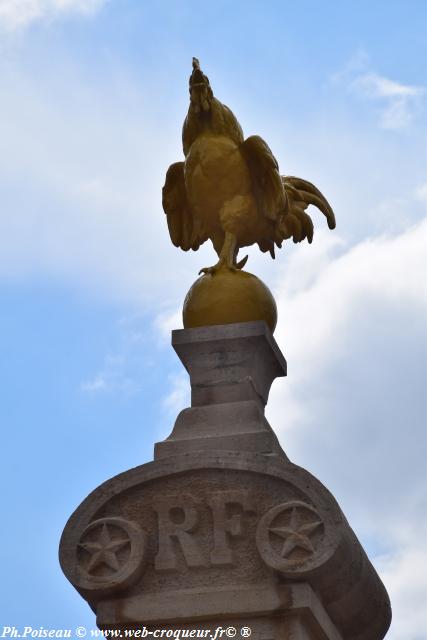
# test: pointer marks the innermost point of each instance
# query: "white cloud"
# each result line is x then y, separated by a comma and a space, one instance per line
352, 325
125, 368
404, 574
19, 14
399, 103
177, 399
166, 321
179, 395
331, 304
400, 100
113, 377
421, 194
319, 294
376, 86
92, 157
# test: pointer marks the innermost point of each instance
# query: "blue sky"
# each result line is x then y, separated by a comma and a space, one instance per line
92, 99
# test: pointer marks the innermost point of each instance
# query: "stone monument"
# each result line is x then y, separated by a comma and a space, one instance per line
221, 535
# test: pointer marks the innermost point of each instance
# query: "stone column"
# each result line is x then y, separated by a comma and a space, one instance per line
231, 369
221, 531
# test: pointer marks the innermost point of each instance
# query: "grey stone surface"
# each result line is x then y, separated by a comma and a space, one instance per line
231, 369
231, 362
294, 607
221, 520
222, 529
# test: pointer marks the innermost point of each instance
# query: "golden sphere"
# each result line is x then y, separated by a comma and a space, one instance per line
228, 296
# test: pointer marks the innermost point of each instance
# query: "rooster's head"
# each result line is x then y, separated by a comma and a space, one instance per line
201, 94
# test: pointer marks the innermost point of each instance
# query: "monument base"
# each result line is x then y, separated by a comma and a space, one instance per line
282, 612
222, 531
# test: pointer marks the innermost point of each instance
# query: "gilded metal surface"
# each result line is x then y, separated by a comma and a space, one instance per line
228, 296
229, 190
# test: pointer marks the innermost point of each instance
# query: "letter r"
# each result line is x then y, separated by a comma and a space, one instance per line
171, 530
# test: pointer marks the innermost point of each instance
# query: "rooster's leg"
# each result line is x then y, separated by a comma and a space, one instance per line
226, 256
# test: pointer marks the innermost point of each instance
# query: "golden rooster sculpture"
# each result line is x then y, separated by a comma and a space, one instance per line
229, 189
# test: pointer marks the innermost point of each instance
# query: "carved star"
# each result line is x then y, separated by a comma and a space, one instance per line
103, 551
296, 534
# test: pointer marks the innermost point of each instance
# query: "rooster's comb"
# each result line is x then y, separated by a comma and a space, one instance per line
197, 77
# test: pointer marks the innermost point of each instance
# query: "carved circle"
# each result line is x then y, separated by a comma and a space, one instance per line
110, 555
290, 538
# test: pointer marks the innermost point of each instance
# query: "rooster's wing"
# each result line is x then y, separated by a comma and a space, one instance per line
266, 182
184, 230
282, 200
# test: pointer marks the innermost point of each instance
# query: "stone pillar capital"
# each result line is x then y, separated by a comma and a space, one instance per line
231, 362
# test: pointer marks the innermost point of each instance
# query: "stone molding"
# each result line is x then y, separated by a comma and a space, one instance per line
221, 526
337, 568
196, 605
231, 369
